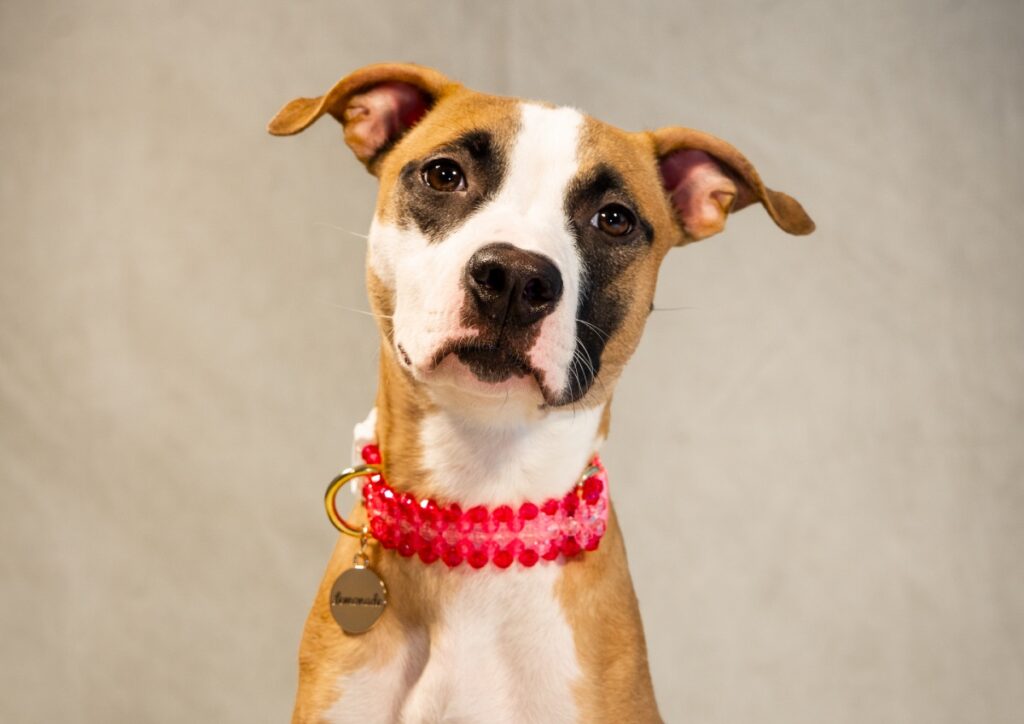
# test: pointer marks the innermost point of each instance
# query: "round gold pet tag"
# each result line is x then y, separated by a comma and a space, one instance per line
358, 599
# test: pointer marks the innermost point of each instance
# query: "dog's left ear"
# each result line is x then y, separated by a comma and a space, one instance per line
707, 179
376, 105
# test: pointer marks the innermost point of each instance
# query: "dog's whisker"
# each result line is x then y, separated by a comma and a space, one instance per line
363, 311
340, 228
604, 335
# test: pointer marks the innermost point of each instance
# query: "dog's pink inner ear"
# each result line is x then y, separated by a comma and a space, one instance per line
702, 191
378, 117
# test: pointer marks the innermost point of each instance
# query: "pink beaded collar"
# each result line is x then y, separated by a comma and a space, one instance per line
482, 535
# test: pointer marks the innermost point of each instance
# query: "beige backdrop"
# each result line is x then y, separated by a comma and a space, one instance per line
817, 453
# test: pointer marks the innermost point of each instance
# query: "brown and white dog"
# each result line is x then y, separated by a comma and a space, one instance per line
512, 265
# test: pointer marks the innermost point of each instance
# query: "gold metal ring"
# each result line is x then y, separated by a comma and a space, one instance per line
332, 493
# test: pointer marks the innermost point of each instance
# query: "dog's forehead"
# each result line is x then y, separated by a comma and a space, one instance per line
545, 150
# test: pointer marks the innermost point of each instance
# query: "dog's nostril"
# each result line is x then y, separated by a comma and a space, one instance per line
491, 278
538, 292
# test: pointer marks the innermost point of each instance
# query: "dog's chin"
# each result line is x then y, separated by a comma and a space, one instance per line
483, 372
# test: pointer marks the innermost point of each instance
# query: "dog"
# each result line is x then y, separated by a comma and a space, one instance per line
511, 265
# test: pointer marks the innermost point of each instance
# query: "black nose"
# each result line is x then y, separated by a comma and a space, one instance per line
507, 283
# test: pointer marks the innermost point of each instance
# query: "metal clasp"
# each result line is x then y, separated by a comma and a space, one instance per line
331, 495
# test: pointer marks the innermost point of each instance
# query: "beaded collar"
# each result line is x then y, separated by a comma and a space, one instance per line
481, 535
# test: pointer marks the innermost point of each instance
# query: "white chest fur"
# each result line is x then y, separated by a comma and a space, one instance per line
503, 652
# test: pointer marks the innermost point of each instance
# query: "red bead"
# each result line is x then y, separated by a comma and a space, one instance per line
371, 455
429, 512
502, 514
593, 543
503, 559
378, 527
452, 514
477, 559
570, 502
452, 557
407, 545
528, 557
477, 514
550, 507
570, 547
427, 552
528, 511
592, 488
408, 508
552, 552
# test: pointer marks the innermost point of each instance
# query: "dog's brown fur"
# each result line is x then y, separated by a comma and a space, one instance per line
595, 589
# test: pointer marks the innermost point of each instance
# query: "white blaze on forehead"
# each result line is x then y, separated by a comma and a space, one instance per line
544, 162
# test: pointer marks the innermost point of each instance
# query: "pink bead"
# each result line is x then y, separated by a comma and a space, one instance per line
371, 455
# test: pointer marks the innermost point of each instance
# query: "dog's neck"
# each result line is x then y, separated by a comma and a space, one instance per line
477, 451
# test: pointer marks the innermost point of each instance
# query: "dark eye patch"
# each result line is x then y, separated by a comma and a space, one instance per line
437, 214
602, 186
602, 305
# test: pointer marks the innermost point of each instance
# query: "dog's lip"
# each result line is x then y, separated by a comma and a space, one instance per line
473, 346
483, 351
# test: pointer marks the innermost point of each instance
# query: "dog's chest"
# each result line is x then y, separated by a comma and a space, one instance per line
503, 651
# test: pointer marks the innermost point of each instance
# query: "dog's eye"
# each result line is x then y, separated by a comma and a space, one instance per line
614, 220
444, 175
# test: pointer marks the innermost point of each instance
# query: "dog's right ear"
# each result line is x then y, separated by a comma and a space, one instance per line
376, 105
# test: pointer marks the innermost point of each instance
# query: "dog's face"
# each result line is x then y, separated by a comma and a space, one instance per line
515, 247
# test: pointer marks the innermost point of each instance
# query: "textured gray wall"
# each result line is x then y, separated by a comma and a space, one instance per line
817, 453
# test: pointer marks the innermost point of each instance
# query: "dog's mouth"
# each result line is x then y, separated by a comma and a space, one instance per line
488, 363
493, 364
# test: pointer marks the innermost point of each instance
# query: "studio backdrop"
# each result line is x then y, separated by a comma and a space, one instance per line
816, 454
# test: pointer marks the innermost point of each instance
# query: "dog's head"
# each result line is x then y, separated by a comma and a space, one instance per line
516, 245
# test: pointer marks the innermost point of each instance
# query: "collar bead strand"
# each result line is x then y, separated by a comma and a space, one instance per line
480, 536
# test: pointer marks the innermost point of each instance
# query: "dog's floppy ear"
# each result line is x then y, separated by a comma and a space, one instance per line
707, 179
376, 105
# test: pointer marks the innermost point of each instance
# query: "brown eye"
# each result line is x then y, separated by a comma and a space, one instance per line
444, 175
614, 220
